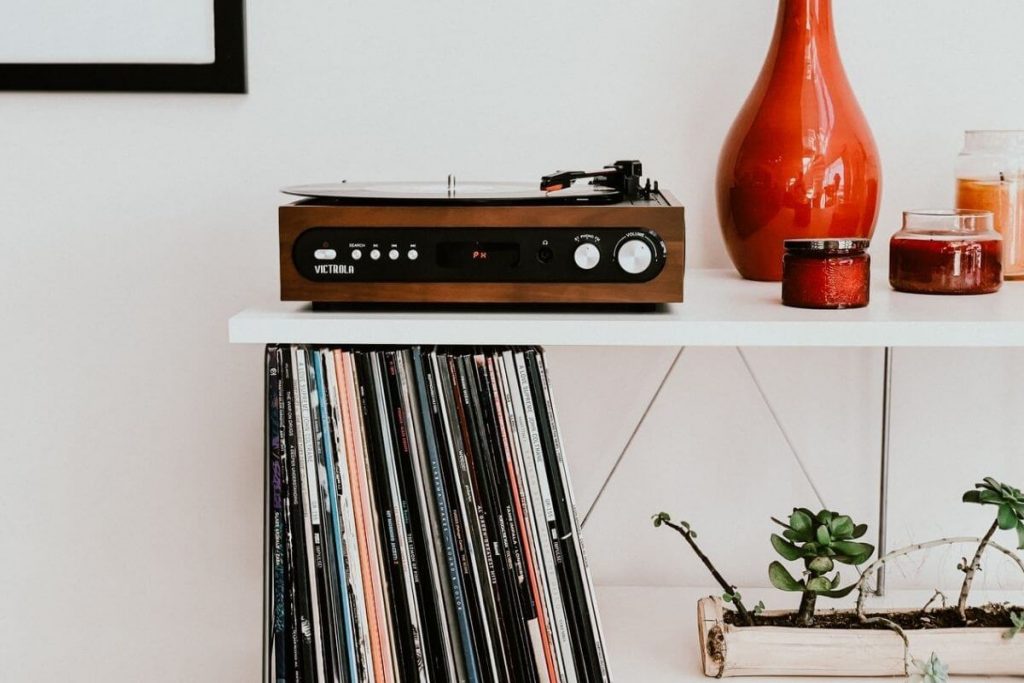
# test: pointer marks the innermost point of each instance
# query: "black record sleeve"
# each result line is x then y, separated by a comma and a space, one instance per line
429, 611
506, 593
402, 635
571, 571
303, 666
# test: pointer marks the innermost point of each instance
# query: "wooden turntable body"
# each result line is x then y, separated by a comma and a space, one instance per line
661, 214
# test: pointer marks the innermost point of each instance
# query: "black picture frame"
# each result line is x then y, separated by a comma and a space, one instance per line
226, 74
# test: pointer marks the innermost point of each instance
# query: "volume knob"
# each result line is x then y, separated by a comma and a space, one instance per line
635, 256
587, 256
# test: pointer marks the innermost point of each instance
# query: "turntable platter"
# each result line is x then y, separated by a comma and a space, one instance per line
460, 193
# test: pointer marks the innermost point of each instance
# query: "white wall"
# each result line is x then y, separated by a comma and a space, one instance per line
134, 225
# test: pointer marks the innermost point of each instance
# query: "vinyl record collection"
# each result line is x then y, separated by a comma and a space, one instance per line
421, 525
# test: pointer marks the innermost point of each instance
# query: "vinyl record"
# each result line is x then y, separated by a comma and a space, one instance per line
456, 193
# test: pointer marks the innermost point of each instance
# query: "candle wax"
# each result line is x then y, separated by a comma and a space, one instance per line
1005, 199
945, 264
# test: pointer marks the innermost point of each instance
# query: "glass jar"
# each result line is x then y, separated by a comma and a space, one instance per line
826, 273
990, 177
946, 252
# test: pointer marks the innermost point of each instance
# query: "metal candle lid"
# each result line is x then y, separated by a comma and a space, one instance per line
829, 245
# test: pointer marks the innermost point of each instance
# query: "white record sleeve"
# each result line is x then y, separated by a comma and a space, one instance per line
543, 498
350, 549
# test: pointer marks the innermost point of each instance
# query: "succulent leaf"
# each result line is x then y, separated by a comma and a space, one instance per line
819, 584
853, 552
802, 525
972, 496
931, 671
821, 565
1007, 517
841, 527
840, 593
783, 547
782, 579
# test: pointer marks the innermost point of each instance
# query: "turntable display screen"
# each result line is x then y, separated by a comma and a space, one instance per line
490, 256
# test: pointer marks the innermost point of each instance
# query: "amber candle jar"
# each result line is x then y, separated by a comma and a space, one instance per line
826, 273
990, 177
946, 252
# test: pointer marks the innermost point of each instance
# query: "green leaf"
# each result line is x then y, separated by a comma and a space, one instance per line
841, 593
1020, 535
819, 584
785, 548
661, 518
859, 530
841, 527
782, 579
825, 516
972, 496
801, 523
727, 597
853, 552
990, 498
1007, 518
824, 538
810, 549
821, 565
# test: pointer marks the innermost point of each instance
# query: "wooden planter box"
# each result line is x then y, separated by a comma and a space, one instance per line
728, 650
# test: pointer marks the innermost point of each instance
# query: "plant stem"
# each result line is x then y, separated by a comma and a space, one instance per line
961, 606
726, 586
805, 617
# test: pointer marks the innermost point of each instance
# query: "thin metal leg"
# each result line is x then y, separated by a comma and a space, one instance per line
636, 430
883, 493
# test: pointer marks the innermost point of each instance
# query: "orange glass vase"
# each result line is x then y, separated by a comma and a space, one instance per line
800, 160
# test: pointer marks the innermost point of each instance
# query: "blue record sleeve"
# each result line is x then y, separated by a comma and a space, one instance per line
346, 607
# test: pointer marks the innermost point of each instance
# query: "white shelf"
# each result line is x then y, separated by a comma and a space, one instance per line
720, 310
651, 633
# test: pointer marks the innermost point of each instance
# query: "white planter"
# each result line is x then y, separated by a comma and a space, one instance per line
728, 650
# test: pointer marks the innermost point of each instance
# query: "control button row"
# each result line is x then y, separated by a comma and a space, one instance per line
375, 254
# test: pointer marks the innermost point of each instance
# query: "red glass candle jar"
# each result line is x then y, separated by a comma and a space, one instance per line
946, 252
826, 273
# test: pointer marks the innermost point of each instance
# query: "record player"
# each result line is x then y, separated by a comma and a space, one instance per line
599, 237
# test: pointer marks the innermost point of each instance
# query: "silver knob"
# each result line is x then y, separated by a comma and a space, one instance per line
587, 256
635, 256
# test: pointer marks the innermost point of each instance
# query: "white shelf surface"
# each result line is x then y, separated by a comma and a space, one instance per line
651, 633
721, 309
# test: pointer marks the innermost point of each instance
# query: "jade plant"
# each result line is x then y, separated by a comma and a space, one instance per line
1009, 503
820, 541
731, 594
